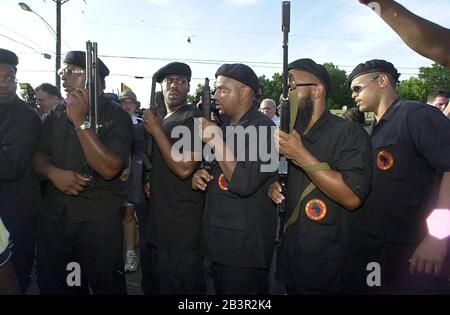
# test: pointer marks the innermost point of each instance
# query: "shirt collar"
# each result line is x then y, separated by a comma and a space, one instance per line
248, 114
390, 111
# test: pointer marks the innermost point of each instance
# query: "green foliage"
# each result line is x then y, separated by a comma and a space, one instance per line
194, 98
271, 88
340, 93
413, 89
435, 77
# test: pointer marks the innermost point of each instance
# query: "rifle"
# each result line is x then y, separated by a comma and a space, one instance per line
147, 155
206, 108
92, 84
284, 120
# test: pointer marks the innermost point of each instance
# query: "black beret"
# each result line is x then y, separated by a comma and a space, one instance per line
177, 68
8, 57
241, 73
312, 67
78, 58
374, 65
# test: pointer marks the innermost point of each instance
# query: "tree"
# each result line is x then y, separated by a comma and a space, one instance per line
340, 94
194, 98
271, 88
435, 77
413, 89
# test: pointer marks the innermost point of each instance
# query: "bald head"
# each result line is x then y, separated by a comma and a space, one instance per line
268, 107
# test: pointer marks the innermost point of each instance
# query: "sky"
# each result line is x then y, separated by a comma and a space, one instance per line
137, 37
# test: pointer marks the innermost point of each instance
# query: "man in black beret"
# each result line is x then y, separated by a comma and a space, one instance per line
82, 208
239, 222
20, 127
411, 143
174, 211
329, 178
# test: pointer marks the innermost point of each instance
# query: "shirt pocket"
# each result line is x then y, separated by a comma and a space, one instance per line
320, 263
387, 158
229, 213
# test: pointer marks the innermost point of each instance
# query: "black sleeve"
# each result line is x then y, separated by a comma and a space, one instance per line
354, 159
118, 136
18, 143
430, 132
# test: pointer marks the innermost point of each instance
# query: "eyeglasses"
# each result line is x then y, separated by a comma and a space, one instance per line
8, 79
359, 87
69, 71
302, 84
176, 81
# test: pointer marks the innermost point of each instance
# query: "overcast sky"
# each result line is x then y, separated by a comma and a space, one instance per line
137, 37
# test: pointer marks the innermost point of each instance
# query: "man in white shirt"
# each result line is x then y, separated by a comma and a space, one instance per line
269, 108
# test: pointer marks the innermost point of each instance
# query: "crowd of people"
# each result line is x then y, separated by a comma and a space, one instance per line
75, 195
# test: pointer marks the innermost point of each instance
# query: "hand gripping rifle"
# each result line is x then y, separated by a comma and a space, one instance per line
284, 120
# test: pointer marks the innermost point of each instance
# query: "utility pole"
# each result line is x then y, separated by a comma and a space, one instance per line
58, 40
58, 43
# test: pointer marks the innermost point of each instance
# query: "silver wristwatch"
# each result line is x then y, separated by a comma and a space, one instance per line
83, 126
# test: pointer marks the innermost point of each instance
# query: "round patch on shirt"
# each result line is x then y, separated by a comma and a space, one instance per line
316, 209
223, 182
385, 160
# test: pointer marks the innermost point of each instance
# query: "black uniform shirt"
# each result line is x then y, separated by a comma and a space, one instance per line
411, 144
314, 248
175, 209
240, 219
20, 127
60, 142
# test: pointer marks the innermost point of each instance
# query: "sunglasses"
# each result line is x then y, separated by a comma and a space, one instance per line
294, 84
359, 87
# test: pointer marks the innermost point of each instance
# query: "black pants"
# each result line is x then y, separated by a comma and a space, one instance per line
23, 236
230, 280
97, 246
176, 272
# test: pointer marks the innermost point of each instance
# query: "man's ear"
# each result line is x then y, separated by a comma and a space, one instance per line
318, 91
383, 80
245, 92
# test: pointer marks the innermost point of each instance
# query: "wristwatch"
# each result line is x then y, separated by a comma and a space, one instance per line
83, 126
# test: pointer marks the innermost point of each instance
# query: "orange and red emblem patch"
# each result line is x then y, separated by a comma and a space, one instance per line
223, 182
316, 209
385, 160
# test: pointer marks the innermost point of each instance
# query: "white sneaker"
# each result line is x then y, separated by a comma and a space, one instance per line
131, 261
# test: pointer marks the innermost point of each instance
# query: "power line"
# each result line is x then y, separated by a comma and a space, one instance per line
28, 46
238, 32
261, 64
18, 34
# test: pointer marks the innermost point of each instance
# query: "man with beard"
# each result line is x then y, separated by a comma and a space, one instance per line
411, 177
175, 210
329, 177
81, 220
240, 220
20, 127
